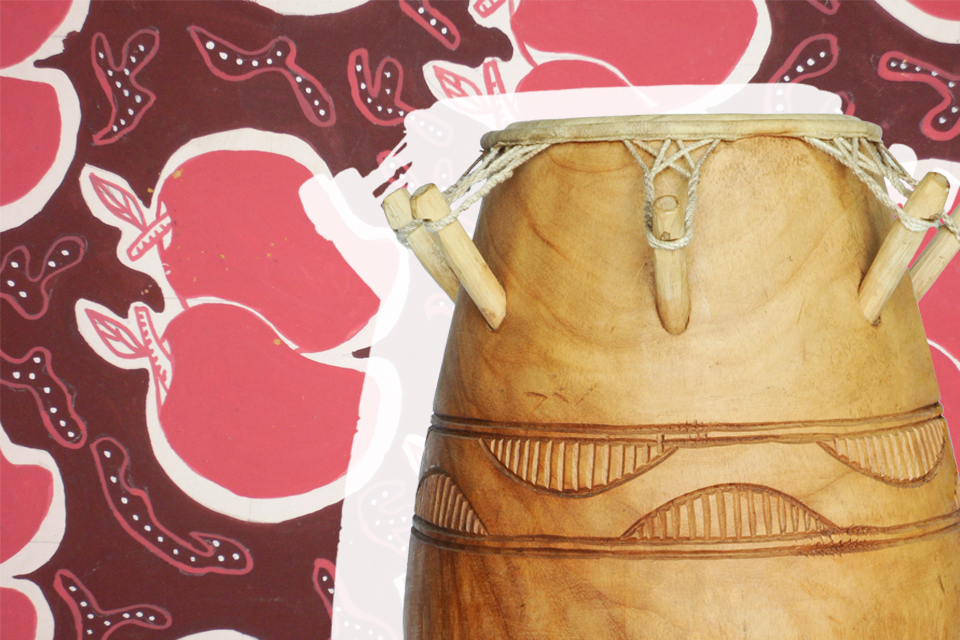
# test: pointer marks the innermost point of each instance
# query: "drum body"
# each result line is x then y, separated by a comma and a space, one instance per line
779, 469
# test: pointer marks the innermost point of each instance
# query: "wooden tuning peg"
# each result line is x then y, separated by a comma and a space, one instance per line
396, 206
935, 257
478, 281
926, 203
670, 267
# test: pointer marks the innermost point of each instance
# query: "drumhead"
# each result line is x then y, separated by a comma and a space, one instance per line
681, 127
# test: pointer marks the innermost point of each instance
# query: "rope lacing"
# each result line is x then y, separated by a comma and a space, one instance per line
864, 157
663, 161
869, 160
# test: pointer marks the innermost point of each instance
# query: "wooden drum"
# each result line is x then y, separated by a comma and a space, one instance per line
692, 396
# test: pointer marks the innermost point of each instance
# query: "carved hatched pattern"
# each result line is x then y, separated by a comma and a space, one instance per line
575, 466
905, 456
441, 503
729, 512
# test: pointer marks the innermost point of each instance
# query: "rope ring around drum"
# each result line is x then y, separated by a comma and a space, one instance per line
869, 160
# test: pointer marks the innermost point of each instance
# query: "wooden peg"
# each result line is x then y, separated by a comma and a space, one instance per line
469, 266
670, 267
399, 214
935, 258
926, 202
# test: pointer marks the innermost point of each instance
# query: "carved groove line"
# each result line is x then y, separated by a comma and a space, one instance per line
441, 503
729, 512
572, 466
903, 456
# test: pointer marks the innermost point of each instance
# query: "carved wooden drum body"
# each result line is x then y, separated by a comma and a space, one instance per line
745, 457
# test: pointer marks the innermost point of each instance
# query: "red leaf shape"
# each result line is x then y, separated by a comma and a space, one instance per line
455, 85
119, 339
119, 201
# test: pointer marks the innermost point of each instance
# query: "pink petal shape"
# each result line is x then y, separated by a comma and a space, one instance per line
569, 74
240, 233
30, 121
18, 617
938, 8
651, 42
250, 414
25, 25
26, 493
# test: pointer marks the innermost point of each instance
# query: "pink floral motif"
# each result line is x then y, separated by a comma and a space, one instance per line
125, 344
30, 121
486, 8
125, 206
492, 78
34, 373
117, 337
377, 95
229, 62
436, 24
324, 576
649, 43
813, 57
828, 7
208, 553
30, 295
27, 491
942, 122
455, 85
129, 100
18, 614
94, 622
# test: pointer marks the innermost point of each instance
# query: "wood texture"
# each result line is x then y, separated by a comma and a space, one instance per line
583, 340
935, 258
396, 206
777, 469
900, 245
463, 257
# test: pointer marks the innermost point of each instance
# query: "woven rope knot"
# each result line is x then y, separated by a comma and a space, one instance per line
952, 227
404, 232
662, 160
435, 225
917, 224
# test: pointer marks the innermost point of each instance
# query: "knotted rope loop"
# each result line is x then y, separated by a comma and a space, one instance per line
952, 227
865, 157
404, 232
661, 161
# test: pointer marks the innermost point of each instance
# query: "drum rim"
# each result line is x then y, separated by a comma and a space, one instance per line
731, 126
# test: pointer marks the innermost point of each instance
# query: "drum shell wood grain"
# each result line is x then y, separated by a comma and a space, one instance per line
779, 391
610, 598
783, 236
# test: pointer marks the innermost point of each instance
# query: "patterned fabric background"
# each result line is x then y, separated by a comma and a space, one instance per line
202, 304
